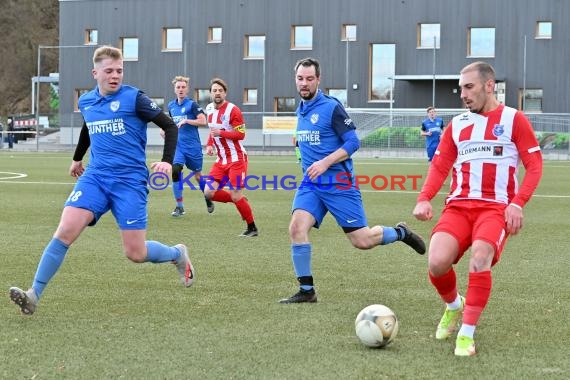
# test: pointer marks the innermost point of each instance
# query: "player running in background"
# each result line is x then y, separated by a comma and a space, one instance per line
431, 129
115, 127
483, 148
327, 139
297, 150
188, 116
227, 130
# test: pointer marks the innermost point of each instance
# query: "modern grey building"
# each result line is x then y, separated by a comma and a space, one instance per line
374, 53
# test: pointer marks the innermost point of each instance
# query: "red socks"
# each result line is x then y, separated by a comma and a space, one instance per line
244, 210
222, 196
445, 285
478, 293
242, 205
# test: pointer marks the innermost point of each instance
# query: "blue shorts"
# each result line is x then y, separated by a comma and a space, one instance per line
193, 160
126, 198
431, 152
344, 204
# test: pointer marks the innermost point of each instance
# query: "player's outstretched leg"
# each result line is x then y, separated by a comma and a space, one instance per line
26, 300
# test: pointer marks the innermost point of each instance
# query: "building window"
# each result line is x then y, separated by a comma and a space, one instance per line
172, 39
130, 48
543, 30
76, 94
202, 97
284, 105
159, 102
250, 96
301, 37
481, 42
532, 101
254, 47
91, 36
382, 71
339, 93
214, 35
348, 32
428, 34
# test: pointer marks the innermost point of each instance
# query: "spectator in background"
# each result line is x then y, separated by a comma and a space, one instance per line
432, 127
10, 125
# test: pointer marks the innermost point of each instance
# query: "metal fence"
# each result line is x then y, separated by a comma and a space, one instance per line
383, 133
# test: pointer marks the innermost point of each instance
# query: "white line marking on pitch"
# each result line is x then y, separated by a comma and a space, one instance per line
10, 175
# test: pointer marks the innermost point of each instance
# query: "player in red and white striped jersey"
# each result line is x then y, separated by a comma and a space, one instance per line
483, 149
227, 130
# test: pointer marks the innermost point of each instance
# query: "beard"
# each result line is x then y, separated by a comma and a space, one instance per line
310, 95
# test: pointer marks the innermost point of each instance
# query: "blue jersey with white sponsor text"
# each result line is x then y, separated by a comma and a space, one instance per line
188, 136
117, 126
320, 124
434, 126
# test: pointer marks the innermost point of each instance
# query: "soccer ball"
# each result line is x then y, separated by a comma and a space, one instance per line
376, 326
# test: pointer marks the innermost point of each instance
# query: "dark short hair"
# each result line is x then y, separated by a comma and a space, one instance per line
308, 62
220, 82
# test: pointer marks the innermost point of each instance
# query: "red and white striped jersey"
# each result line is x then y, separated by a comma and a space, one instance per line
228, 118
484, 151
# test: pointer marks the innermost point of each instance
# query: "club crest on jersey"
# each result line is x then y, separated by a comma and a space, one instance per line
115, 105
314, 118
498, 130
183, 110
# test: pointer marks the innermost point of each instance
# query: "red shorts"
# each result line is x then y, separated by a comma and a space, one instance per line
470, 220
229, 174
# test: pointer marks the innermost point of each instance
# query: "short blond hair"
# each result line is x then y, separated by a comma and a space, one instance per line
180, 78
106, 52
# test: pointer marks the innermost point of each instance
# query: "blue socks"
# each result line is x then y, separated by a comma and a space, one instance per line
56, 250
50, 262
390, 235
177, 191
301, 256
160, 253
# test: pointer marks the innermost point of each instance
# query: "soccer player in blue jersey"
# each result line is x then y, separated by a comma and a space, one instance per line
188, 116
115, 127
327, 140
432, 128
